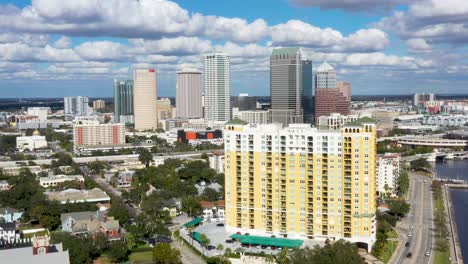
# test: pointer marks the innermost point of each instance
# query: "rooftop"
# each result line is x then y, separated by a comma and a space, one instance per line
78, 196
285, 51
361, 121
325, 67
236, 121
268, 241
24, 255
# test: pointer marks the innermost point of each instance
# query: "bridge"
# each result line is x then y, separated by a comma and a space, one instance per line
438, 156
432, 142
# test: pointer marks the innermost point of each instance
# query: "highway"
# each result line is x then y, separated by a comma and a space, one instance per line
417, 228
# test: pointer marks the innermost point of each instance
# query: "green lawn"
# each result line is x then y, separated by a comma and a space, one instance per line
390, 247
141, 254
441, 257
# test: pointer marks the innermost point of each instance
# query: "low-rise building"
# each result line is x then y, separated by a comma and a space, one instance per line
38, 251
388, 171
56, 179
446, 120
4, 185
31, 142
15, 171
95, 195
90, 223
10, 215
40, 112
8, 232
213, 209
253, 116
173, 206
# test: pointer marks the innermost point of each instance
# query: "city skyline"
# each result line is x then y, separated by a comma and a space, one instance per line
380, 47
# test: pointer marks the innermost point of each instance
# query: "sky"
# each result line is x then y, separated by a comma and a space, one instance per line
55, 48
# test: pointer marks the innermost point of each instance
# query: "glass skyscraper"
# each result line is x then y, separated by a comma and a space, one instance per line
123, 101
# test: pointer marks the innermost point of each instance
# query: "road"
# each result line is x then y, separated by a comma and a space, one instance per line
418, 223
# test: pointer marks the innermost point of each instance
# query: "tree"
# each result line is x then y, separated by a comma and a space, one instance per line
217, 260
118, 251
119, 211
204, 240
191, 205
163, 253
79, 249
420, 163
403, 183
399, 207
220, 247
210, 194
339, 252
97, 166
145, 157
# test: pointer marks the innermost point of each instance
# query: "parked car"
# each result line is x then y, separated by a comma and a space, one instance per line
163, 239
210, 247
407, 244
230, 241
409, 255
220, 224
427, 254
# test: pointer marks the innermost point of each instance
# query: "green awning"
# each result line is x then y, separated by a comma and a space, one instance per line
194, 222
197, 237
268, 241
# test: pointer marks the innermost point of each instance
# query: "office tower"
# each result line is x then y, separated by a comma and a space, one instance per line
98, 135
78, 105
307, 92
99, 104
299, 182
286, 85
217, 87
244, 102
330, 96
123, 101
189, 94
423, 97
144, 99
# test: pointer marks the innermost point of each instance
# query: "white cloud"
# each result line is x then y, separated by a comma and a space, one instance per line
63, 43
101, 51
418, 45
299, 33
171, 46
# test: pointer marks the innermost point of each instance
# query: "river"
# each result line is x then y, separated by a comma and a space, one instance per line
455, 169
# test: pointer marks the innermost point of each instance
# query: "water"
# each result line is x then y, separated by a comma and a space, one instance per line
457, 170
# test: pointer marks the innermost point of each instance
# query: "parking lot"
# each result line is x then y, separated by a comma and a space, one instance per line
218, 235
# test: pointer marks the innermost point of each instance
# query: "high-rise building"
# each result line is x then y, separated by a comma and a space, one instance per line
99, 104
78, 105
189, 94
123, 101
299, 182
144, 99
244, 102
164, 110
330, 96
98, 135
217, 87
423, 97
286, 85
307, 91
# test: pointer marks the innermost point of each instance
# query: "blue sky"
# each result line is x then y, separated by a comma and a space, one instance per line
54, 48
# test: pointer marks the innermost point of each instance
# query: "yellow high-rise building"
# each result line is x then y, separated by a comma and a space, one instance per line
299, 182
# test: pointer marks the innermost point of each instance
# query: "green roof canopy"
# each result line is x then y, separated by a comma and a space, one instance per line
361, 121
197, 237
268, 241
194, 222
236, 122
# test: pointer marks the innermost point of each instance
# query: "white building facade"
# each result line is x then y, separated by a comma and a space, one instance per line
217, 87
388, 171
31, 143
